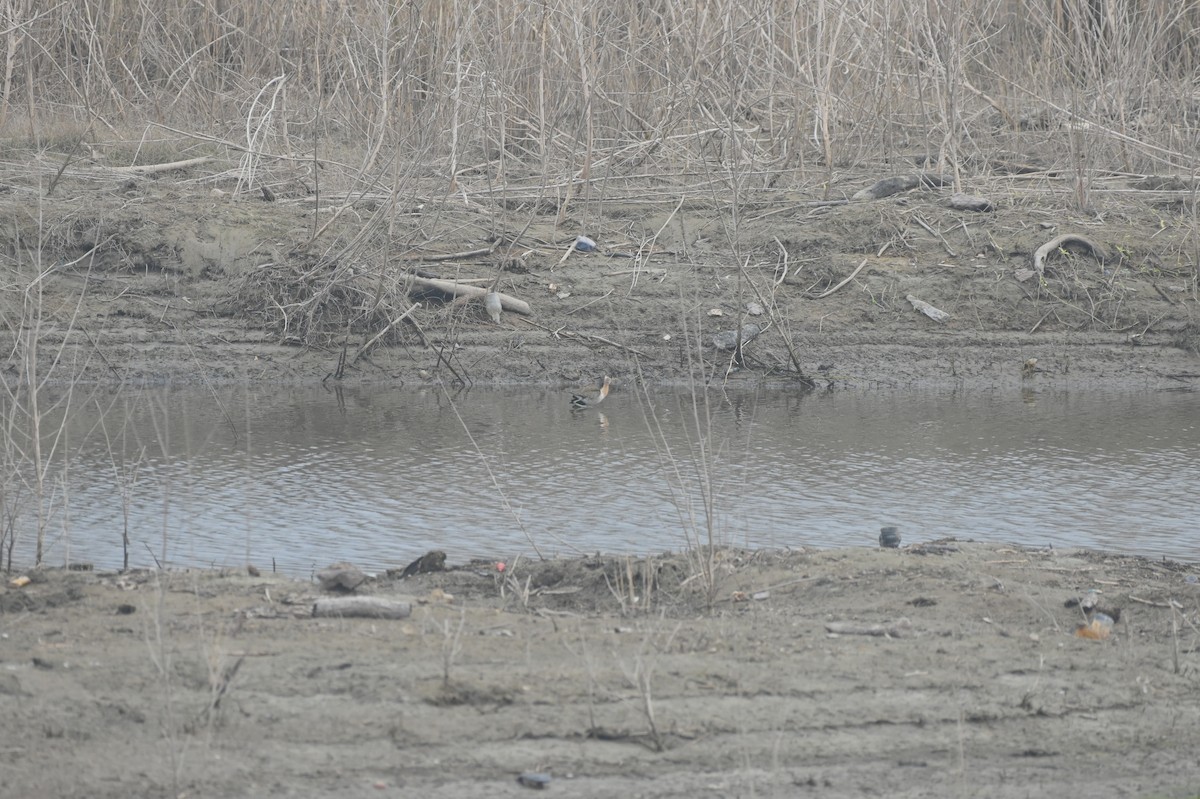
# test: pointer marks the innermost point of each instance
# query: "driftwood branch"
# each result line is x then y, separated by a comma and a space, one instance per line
897, 629
457, 289
936, 314
368, 607
455, 256
151, 169
1058, 242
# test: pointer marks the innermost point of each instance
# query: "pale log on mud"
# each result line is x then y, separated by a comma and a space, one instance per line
897, 629
1058, 242
367, 607
458, 289
154, 169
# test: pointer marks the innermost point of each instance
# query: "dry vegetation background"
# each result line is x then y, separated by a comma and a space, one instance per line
586, 97
491, 116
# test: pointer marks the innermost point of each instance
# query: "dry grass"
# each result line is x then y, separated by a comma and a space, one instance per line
569, 92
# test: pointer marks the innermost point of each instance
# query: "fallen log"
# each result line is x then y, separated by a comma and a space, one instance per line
898, 629
457, 289
894, 185
367, 607
154, 169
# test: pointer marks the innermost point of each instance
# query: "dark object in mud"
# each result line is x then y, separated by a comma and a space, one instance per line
894, 185
342, 577
969, 202
432, 561
727, 339
889, 537
534, 780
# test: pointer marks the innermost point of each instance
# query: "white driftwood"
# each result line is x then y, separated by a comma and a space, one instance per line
459, 289
1039, 257
898, 629
153, 169
368, 607
927, 309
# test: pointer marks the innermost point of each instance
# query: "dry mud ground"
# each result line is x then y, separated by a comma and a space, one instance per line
616, 678
171, 277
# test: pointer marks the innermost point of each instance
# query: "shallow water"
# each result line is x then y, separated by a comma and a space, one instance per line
298, 478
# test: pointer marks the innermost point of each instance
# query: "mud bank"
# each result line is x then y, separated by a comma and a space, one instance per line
163, 280
646, 677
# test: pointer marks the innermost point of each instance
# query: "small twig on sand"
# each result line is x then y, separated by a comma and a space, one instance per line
589, 336
770, 309
844, 282
366, 347
1150, 602
456, 255
590, 302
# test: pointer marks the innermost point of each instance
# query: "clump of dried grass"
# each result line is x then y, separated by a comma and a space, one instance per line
584, 88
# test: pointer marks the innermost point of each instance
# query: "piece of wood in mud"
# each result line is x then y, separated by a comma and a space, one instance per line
458, 289
366, 607
1061, 242
896, 184
898, 629
936, 314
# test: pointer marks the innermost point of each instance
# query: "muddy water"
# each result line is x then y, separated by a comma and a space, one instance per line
302, 477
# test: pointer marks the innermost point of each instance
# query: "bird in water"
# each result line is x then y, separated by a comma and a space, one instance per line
581, 401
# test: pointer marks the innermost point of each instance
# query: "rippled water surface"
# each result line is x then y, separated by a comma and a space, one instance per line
304, 477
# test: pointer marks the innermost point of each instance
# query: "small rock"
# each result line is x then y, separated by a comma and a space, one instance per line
584, 244
715, 312
754, 309
10, 685
343, 577
534, 780
727, 339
